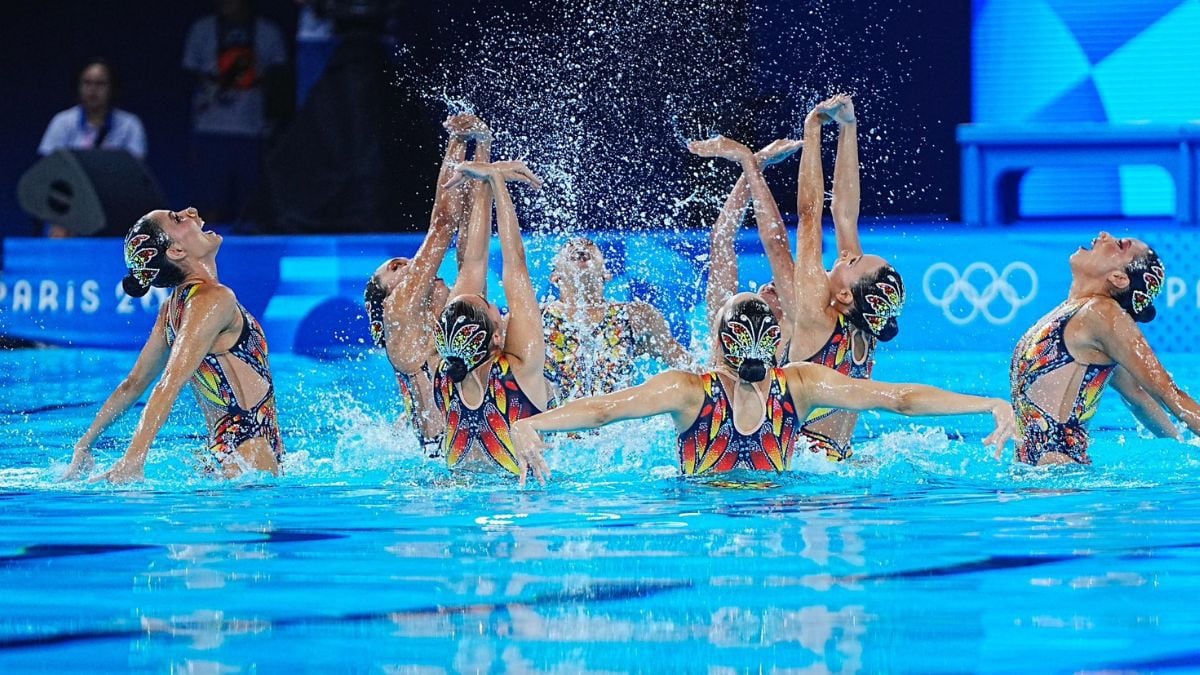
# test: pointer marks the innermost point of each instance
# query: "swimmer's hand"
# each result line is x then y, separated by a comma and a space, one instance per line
469, 126
845, 113
725, 148
82, 463
777, 151
1006, 427
507, 171
528, 446
124, 471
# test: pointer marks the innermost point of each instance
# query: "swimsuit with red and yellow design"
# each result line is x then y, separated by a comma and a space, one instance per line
483, 431
1041, 351
838, 354
712, 444
231, 423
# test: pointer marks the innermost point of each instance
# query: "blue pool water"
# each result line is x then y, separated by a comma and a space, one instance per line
925, 555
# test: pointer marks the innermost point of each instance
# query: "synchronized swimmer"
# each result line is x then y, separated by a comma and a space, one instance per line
791, 364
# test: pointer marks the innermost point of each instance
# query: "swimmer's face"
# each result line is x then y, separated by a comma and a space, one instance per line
849, 269
1106, 254
186, 231
390, 273
579, 259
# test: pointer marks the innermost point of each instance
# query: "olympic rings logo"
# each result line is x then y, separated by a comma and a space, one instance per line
963, 290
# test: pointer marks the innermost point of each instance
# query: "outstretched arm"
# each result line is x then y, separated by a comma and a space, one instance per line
209, 312
1121, 339
722, 257
474, 129
405, 309
772, 232
723, 270
524, 340
673, 392
148, 366
656, 339
821, 387
473, 256
846, 187
811, 287
1143, 406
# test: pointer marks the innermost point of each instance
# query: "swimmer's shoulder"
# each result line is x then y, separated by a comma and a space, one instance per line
211, 297
1101, 315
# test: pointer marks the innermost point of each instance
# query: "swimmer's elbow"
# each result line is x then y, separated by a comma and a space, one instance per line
133, 385
906, 401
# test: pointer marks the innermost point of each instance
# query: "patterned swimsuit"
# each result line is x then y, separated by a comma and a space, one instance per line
411, 400
583, 360
231, 423
712, 444
1041, 351
483, 431
838, 354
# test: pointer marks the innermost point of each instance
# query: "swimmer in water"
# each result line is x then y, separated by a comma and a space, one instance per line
484, 383
592, 341
746, 414
842, 314
723, 262
405, 297
202, 335
1062, 363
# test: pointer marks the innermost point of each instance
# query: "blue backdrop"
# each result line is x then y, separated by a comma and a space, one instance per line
967, 290
1040, 61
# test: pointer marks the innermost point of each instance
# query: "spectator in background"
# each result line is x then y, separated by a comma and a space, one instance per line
233, 54
94, 123
315, 43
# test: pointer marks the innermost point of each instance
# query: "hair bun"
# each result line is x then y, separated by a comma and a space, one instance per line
1146, 315
752, 370
889, 330
132, 287
456, 368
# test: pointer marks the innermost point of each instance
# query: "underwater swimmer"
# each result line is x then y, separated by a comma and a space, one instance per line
1062, 363
746, 414
202, 334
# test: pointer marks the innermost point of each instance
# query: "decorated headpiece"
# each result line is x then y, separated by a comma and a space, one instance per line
877, 303
1146, 277
1147, 282
464, 340
373, 297
146, 259
750, 337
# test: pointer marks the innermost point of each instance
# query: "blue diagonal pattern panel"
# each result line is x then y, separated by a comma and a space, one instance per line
1101, 28
1080, 104
1022, 46
1154, 75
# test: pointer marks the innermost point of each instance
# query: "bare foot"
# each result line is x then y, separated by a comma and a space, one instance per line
777, 151
725, 148
507, 171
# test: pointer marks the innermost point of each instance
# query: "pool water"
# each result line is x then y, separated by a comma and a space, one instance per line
924, 554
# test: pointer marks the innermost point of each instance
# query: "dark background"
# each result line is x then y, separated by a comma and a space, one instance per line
909, 68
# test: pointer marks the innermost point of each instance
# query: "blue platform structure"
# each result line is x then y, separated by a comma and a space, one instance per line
996, 156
